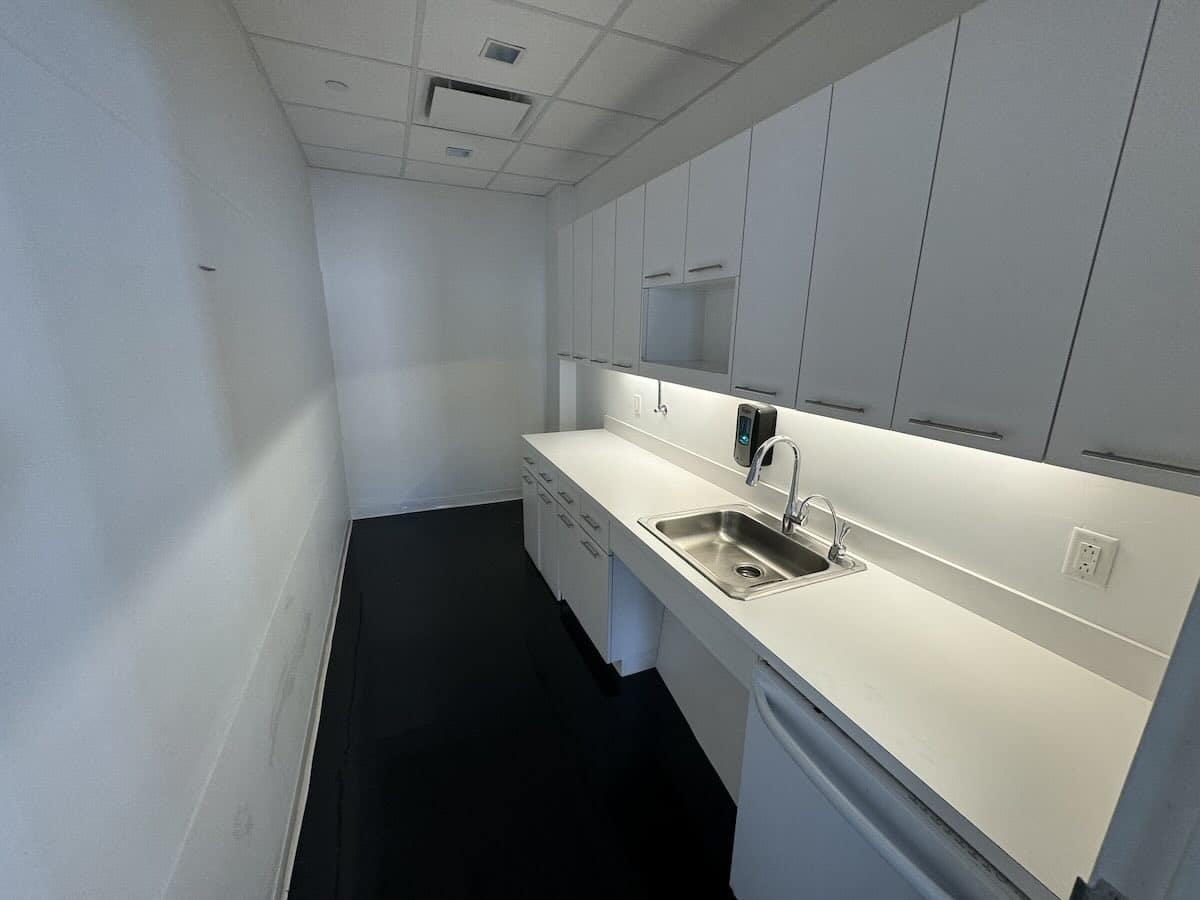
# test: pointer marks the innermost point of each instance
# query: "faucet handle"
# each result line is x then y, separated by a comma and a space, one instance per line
837, 549
843, 529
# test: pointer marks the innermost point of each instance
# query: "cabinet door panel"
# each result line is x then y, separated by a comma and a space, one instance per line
582, 233
883, 134
592, 605
716, 210
569, 573
627, 281
604, 236
548, 540
565, 252
529, 515
1039, 97
666, 219
1130, 401
781, 215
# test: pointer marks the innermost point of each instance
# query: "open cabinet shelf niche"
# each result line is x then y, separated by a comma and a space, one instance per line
688, 332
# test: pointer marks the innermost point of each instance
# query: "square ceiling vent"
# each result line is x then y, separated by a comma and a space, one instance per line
460, 106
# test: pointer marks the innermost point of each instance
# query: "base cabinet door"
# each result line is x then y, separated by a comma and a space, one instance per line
529, 515
568, 562
593, 572
547, 560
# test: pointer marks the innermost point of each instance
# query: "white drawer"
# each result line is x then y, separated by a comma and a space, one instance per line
594, 521
566, 493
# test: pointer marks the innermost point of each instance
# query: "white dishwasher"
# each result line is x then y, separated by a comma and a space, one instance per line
818, 817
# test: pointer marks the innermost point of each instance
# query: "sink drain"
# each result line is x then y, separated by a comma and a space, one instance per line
748, 571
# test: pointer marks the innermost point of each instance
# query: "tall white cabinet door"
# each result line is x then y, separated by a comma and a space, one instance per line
666, 221
1039, 97
781, 216
883, 135
582, 232
627, 280
565, 250
716, 210
1130, 405
604, 237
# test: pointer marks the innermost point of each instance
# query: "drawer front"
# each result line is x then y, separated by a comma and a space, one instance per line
594, 521
566, 493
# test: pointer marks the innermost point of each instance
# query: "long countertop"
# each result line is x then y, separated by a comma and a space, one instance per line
1027, 747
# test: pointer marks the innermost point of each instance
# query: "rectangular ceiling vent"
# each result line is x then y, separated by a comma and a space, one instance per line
501, 52
461, 106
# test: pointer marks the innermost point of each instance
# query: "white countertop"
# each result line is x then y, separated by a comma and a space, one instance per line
1030, 748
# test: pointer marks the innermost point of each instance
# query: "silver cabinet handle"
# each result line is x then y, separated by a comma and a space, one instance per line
590, 522
658, 274
567, 497
546, 478
842, 406
529, 460
527, 479
753, 390
566, 520
602, 361
958, 429
544, 499
705, 268
564, 354
578, 356
623, 365
590, 549
1142, 463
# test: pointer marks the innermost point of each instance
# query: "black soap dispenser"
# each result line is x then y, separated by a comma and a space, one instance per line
755, 423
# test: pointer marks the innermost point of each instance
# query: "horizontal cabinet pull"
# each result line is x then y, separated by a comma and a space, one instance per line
590, 549
754, 390
544, 499
657, 275
566, 520
705, 268
566, 497
595, 360
623, 365
958, 429
529, 460
546, 478
590, 522
841, 406
527, 479
564, 354
578, 356
1143, 463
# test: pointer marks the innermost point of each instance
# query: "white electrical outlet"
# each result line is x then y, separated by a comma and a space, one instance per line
1090, 557
637, 404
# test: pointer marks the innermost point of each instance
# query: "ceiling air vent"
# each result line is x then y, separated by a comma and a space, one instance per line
501, 52
460, 106
458, 152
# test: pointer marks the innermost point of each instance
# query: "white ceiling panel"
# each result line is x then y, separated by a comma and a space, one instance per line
522, 184
598, 11
349, 161
455, 31
299, 74
730, 29
346, 131
627, 74
429, 144
576, 127
559, 165
427, 171
382, 29
421, 117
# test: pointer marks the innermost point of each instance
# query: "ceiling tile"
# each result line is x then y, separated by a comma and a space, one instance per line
455, 31
429, 144
421, 117
382, 29
522, 184
298, 75
631, 75
330, 128
730, 29
349, 161
560, 165
427, 171
578, 127
598, 11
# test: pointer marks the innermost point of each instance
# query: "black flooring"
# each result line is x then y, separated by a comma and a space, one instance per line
471, 746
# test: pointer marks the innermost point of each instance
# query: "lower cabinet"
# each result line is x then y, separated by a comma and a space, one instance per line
529, 516
591, 570
547, 560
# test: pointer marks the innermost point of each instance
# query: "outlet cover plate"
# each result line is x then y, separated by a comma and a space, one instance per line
1102, 568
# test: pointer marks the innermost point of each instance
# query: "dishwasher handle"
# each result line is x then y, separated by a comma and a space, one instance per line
962, 873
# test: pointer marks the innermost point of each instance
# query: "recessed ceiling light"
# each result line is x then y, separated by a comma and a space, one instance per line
458, 152
334, 85
500, 51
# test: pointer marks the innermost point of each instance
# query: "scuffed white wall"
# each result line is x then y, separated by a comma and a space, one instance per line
172, 500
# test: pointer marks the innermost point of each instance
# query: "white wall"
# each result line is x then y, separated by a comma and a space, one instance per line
437, 314
173, 503
1005, 519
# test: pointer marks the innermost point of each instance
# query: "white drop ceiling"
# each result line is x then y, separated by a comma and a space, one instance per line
598, 75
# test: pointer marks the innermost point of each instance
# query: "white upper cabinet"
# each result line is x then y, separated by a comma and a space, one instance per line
627, 280
565, 252
666, 219
1039, 98
781, 215
1130, 405
716, 210
604, 251
582, 233
883, 136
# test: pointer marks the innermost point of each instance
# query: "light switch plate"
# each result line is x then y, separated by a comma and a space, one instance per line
1090, 557
637, 404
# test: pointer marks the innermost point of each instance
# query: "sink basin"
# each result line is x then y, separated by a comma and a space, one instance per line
742, 551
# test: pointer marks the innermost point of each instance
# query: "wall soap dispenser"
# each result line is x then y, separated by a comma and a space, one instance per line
755, 423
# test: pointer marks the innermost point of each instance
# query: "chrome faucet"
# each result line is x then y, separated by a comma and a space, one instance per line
838, 548
791, 512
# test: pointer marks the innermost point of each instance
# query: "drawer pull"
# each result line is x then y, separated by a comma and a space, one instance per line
707, 268
658, 275
578, 356
753, 390
529, 460
526, 479
544, 499
567, 497
601, 361
564, 354
1143, 463
566, 520
623, 365
958, 429
590, 549
842, 406
546, 478
590, 522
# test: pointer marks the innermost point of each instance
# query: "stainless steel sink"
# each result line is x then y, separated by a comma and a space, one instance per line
742, 551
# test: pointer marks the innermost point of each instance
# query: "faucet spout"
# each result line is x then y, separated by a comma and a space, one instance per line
791, 512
